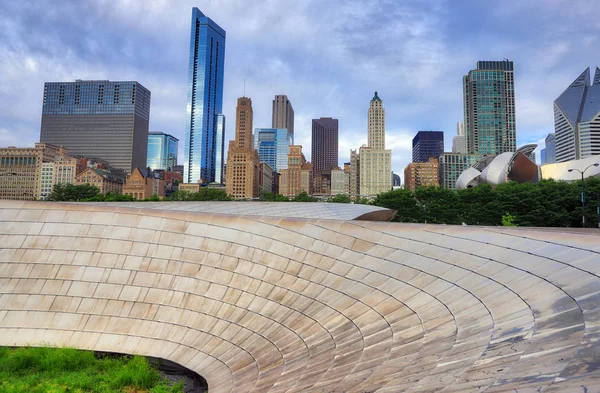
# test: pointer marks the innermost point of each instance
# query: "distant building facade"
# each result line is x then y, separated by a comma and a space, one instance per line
283, 114
242, 159
141, 185
324, 144
21, 170
375, 160
489, 108
273, 146
162, 151
396, 182
339, 181
298, 175
205, 129
427, 144
354, 170
265, 178
61, 170
577, 119
104, 180
422, 174
451, 165
98, 119
549, 152
459, 142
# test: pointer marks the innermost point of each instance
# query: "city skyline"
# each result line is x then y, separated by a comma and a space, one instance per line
335, 84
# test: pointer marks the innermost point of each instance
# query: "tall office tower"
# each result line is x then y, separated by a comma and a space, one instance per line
354, 172
273, 145
162, 151
489, 107
422, 174
242, 159
324, 144
427, 144
298, 175
283, 114
396, 182
549, 152
375, 160
324, 152
376, 127
459, 142
204, 134
577, 119
98, 119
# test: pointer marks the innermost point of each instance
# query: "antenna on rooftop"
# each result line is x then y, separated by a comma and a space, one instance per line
244, 87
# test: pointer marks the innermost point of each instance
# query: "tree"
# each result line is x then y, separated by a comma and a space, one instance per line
508, 220
403, 202
71, 192
270, 197
304, 197
339, 198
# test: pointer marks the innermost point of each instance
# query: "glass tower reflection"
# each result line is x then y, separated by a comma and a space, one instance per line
205, 128
162, 151
273, 145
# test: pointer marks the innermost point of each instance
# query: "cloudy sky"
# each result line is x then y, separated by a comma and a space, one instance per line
328, 56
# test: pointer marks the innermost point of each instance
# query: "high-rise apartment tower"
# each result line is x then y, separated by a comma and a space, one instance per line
204, 135
283, 114
489, 108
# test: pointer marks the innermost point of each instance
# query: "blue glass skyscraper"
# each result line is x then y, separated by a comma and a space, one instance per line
204, 135
273, 145
162, 151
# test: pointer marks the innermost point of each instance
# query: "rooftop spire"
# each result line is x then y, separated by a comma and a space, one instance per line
376, 98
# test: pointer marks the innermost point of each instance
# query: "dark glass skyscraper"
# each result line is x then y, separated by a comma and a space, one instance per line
98, 119
162, 151
324, 155
489, 108
427, 144
204, 136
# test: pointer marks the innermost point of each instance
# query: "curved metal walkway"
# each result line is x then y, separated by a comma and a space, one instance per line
271, 304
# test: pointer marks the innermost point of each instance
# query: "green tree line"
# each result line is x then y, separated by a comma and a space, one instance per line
548, 203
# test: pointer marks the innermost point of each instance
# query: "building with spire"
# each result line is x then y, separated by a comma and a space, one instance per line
489, 108
375, 161
243, 164
205, 131
577, 119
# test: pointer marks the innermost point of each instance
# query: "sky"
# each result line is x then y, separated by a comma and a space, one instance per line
327, 56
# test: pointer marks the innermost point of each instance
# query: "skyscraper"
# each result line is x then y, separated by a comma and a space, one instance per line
204, 135
550, 149
577, 119
427, 144
324, 144
375, 161
273, 145
459, 142
489, 108
242, 159
283, 114
98, 119
162, 151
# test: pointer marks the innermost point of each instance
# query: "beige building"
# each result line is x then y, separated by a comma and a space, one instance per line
418, 174
339, 181
61, 170
242, 158
283, 113
375, 161
354, 170
298, 175
21, 170
140, 185
104, 180
266, 177
190, 187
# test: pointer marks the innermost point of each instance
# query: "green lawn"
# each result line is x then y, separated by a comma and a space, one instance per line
61, 370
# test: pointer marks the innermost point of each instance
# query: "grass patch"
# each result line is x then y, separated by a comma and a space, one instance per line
62, 370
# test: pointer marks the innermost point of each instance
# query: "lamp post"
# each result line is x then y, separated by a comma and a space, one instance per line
583, 191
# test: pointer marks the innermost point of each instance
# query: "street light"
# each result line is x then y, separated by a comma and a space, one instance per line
583, 192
